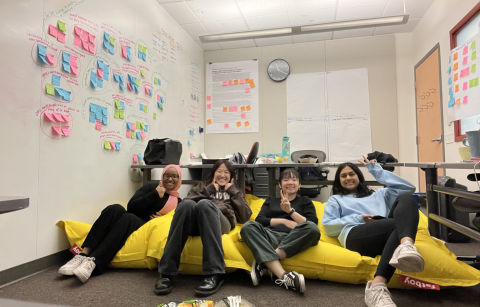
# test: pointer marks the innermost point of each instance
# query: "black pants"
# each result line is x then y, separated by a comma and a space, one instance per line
193, 219
109, 233
382, 237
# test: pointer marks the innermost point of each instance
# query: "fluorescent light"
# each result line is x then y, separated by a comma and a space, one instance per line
356, 24
244, 35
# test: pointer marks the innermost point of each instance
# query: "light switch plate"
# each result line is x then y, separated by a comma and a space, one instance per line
449, 139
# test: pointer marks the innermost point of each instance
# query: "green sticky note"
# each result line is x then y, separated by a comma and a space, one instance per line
144, 50
115, 114
155, 80
145, 109
198, 99
61, 26
121, 113
474, 68
473, 45
474, 55
473, 82
138, 125
142, 72
155, 116
112, 41
140, 48
106, 144
50, 89
138, 82
117, 104
133, 135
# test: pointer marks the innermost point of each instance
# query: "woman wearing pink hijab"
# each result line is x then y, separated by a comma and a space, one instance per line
115, 224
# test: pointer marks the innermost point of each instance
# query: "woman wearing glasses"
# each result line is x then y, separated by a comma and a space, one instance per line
115, 224
211, 209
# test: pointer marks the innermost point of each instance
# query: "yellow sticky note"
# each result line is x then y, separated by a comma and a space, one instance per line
117, 104
144, 50
474, 68
121, 114
106, 144
142, 72
474, 55
50, 89
115, 114
138, 82
140, 48
145, 109
112, 41
61, 26
154, 115
155, 80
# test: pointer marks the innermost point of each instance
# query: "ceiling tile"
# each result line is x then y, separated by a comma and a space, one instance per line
415, 8
194, 29
307, 5
208, 46
282, 40
312, 17
226, 26
248, 43
261, 7
314, 37
358, 2
180, 12
360, 11
268, 22
411, 24
214, 9
353, 33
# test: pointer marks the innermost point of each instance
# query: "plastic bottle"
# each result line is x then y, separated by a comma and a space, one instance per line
286, 149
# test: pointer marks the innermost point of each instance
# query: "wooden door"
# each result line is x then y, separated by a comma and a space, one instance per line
429, 112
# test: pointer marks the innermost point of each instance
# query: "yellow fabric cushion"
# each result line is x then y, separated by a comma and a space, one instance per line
330, 261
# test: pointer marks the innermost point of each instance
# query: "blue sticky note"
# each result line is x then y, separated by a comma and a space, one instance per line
105, 120
111, 49
106, 74
59, 91
106, 44
146, 128
159, 104
449, 59
128, 50
93, 78
104, 111
106, 36
44, 59
66, 66
450, 91
194, 97
188, 142
66, 95
449, 80
98, 116
138, 135
140, 157
100, 83
91, 118
451, 102
144, 56
100, 64
121, 78
122, 104
42, 50
66, 57
141, 107
135, 88
161, 99
93, 107
55, 79
129, 126
130, 78
117, 145
449, 70
115, 76
122, 86
139, 54
150, 91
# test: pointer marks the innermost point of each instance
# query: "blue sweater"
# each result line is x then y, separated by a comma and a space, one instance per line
343, 212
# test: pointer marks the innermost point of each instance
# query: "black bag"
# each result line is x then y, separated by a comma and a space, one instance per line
311, 173
163, 152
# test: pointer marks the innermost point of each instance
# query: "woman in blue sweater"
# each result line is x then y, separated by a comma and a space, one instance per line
382, 222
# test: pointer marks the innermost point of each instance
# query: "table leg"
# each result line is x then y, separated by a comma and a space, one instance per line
241, 179
431, 177
272, 183
147, 175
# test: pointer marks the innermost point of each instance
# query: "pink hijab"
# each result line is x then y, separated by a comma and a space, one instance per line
172, 201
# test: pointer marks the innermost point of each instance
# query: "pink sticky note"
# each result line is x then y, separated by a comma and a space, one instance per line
244, 115
52, 30
84, 35
67, 117
209, 98
129, 134
226, 126
61, 37
73, 61
100, 73
465, 86
98, 125
129, 86
77, 41
230, 82
247, 90
465, 60
112, 145
66, 130
135, 158
58, 117
209, 106
133, 126
124, 51
51, 58
143, 135
78, 31
191, 95
57, 130
146, 90
91, 38
91, 48
234, 109
158, 97
465, 50
50, 117
225, 83
84, 44
191, 156
465, 99
242, 81
74, 70
462, 73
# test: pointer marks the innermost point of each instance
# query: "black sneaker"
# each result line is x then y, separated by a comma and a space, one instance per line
258, 270
293, 281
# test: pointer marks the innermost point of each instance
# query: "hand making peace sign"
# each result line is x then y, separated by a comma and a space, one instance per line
367, 161
285, 203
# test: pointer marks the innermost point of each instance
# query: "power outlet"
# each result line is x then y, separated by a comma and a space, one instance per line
449, 139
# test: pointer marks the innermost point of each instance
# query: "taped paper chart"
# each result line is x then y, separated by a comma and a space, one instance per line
232, 97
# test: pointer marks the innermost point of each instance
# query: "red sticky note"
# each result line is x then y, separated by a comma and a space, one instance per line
73, 61
129, 86
58, 117
248, 108
465, 60
247, 90
230, 82
209, 121
242, 81
244, 115
66, 130
239, 124
91, 48
209, 106
52, 30
209, 98
242, 109
61, 37
91, 38
465, 50
57, 130
98, 125
225, 83
50, 117
67, 117
191, 95
133, 126
74, 70
465, 86
226, 126
129, 134
84, 35
465, 100
77, 41
246, 124
100, 73
51, 58
78, 31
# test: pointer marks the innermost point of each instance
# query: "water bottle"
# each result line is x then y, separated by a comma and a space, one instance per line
286, 149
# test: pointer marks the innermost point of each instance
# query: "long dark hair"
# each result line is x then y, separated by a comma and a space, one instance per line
362, 189
229, 167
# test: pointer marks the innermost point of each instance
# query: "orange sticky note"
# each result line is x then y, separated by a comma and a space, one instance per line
209, 121
247, 80
457, 88
246, 124
455, 56
243, 109
235, 82
457, 102
239, 124
248, 108
455, 77
225, 109
247, 90
226, 126
252, 84
455, 66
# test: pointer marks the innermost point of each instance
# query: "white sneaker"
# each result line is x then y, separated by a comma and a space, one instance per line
85, 269
378, 295
407, 259
68, 268
258, 270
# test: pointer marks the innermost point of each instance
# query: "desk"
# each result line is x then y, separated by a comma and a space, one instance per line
13, 203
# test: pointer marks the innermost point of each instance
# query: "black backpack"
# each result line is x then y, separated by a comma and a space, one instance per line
311, 173
163, 152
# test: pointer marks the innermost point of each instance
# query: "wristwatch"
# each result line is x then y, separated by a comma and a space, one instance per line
291, 212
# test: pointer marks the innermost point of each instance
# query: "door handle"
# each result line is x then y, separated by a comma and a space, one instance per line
439, 139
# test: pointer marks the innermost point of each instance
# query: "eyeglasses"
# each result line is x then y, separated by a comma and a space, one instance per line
168, 176
222, 172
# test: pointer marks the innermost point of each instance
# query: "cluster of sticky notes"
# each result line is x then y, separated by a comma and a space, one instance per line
62, 130
126, 52
137, 158
102, 73
142, 52
133, 130
53, 88
143, 107
69, 63
58, 32
160, 101
111, 145
98, 115
148, 91
238, 124
191, 132
83, 39
157, 81
133, 83
44, 56
195, 97
119, 112
451, 101
109, 42
59, 118
240, 81
119, 78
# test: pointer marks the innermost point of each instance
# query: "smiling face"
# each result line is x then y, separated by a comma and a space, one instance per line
349, 179
222, 175
290, 184
170, 179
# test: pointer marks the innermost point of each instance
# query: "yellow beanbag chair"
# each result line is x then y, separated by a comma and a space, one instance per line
144, 247
330, 261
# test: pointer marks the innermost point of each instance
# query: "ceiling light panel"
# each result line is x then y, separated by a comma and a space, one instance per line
353, 33
214, 10
268, 22
180, 12
307, 5
312, 17
360, 11
314, 37
250, 8
411, 24
271, 41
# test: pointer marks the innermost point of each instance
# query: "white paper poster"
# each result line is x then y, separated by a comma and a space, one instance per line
232, 97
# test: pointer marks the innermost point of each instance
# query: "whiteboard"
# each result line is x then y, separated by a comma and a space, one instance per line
74, 177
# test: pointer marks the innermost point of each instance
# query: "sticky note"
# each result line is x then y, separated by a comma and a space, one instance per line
451, 102
42, 49
145, 128
99, 73
59, 91
106, 36
138, 81
52, 30
143, 135
465, 86
73, 61
246, 124
145, 109
474, 82
117, 145
122, 105
105, 120
104, 111
129, 87
142, 72
465, 100
85, 45
449, 59
58, 117
98, 125
225, 83
91, 38
112, 41
129, 134
66, 117
139, 136
133, 126
233, 109
235, 82
122, 86
162, 99
239, 124
192, 156
194, 97
465, 60
158, 97
249, 108
77, 41
146, 90
129, 56
247, 90
150, 91
99, 83
66, 57
78, 31
252, 84
449, 80
155, 80
121, 113
242, 108
55, 79
455, 77
139, 54
61, 37
117, 103
106, 145
43, 58
455, 66
160, 105
91, 117
116, 114
474, 68
226, 126
457, 88
57, 130
50, 89
188, 142
61, 26
51, 58
100, 64
66, 95
209, 106
66, 130
457, 102
155, 116
473, 45
230, 82
135, 88
135, 158
112, 145
209, 98
209, 121
66, 67
141, 107
50, 117
465, 50
144, 56
115, 77
98, 116
474, 55
225, 109
243, 115
242, 81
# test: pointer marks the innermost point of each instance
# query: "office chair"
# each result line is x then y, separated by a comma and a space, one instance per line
308, 190
249, 174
